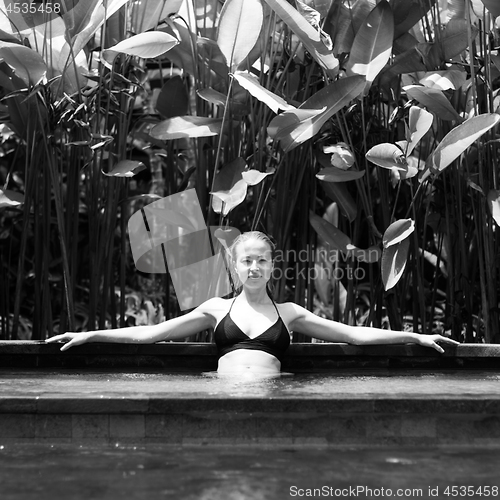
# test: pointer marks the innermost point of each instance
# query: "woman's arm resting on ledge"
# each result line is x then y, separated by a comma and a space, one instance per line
332, 331
197, 320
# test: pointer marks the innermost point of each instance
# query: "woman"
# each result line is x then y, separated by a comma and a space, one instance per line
252, 332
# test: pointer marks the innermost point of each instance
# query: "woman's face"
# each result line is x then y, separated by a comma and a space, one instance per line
254, 263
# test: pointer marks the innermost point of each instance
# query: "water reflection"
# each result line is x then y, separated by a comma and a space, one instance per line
188, 384
245, 383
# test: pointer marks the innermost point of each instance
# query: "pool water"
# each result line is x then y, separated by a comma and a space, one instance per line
67, 472
354, 384
95, 434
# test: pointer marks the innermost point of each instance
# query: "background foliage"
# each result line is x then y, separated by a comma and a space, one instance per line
361, 134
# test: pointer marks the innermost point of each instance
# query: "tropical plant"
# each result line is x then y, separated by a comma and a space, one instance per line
361, 134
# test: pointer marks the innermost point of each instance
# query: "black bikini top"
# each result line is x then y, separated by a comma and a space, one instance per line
229, 337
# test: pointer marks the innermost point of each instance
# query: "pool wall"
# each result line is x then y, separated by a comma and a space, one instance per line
338, 421
190, 419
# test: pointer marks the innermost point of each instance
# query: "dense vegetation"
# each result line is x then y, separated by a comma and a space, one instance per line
361, 134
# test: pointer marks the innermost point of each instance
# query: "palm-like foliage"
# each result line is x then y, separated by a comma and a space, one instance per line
360, 134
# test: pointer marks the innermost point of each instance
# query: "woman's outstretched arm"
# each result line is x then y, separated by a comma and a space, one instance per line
307, 322
197, 320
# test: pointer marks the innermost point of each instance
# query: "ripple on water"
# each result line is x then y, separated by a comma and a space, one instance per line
341, 383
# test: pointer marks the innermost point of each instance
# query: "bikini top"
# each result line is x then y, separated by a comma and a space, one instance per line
229, 337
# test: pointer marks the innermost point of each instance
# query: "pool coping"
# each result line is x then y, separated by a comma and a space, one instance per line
203, 356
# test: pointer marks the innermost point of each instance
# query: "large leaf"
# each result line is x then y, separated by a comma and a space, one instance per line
333, 174
186, 126
397, 232
444, 80
240, 23
453, 40
78, 15
394, 262
182, 54
219, 99
345, 22
339, 241
16, 16
87, 17
126, 168
231, 183
434, 100
292, 128
407, 14
335, 95
420, 122
309, 36
253, 177
387, 155
408, 61
173, 99
286, 123
212, 96
372, 44
493, 6
457, 141
230, 189
147, 13
211, 56
330, 234
251, 83
49, 40
339, 193
147, 45
10, 198
60, 40
26, 63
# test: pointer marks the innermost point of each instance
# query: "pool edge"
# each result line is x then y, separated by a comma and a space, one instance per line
203, 356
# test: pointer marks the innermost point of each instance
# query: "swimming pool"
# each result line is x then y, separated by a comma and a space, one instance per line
145, 431
106, 434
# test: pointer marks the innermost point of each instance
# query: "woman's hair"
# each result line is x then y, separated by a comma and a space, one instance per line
252, 235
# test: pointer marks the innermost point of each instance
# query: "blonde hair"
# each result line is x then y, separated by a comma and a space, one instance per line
254, 235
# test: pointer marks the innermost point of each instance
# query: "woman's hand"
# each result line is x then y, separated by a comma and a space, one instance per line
71, 339
431, 341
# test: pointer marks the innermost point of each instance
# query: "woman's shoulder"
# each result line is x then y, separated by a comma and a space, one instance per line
289, 309
289, 305
215, 305
215, 302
